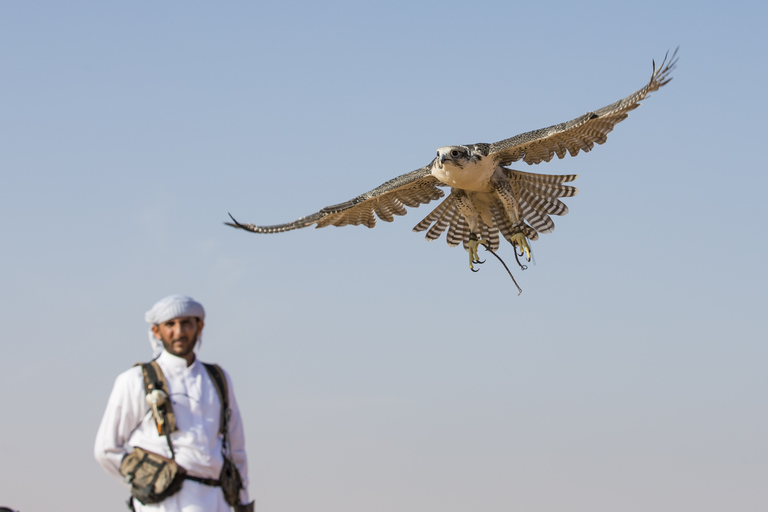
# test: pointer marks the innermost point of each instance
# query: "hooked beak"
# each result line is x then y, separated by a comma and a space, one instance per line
441, 158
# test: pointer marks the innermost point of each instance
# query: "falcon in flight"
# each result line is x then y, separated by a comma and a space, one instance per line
486, 198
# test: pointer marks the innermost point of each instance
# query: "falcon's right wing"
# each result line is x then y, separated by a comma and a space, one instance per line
386, 201
582, 133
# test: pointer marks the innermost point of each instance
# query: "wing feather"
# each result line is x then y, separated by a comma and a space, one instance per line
383, 210
512, 174
386, 201
582, 133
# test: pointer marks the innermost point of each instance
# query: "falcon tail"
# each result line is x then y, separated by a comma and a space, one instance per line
536, 195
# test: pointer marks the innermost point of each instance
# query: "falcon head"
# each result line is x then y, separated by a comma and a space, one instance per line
457, 156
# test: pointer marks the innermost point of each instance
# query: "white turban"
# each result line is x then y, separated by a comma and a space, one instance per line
168, 308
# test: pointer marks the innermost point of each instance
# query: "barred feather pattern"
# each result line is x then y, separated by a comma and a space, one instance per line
385, 201
583, 132
537, 197
534, 197
550, 205
442, 224
435, 214
458, 231
540, 221
386, 206
490, 235
443, 221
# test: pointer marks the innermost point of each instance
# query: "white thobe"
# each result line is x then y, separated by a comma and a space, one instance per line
128, 422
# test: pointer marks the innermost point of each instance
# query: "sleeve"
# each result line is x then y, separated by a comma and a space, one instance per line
237, 441
125, 409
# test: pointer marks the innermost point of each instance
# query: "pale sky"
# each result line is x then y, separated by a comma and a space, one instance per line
374, 371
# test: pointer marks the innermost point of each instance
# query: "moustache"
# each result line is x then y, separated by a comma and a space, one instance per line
184, 339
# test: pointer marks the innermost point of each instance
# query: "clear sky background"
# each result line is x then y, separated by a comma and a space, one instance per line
375, 372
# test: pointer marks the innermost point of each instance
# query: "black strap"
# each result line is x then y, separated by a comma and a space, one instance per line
151, 381
154, 381
205, 481
219, 380
220, 383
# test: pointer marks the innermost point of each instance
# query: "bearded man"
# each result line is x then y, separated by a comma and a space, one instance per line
175, 421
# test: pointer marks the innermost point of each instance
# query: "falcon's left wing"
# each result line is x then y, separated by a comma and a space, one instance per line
386, 201
582, 133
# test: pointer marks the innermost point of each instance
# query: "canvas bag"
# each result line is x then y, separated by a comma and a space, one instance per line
153, 477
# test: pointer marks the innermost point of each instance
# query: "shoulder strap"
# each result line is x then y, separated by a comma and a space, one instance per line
220, 383
154, 379
229, 479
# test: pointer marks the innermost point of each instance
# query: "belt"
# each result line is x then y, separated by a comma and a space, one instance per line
204, 481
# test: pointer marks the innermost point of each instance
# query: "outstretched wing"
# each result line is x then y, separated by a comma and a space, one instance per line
386, 201
581, 133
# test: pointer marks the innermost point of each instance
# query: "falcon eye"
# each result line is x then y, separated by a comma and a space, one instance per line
454, 153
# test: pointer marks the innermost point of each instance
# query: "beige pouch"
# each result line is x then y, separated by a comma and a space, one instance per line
152, 477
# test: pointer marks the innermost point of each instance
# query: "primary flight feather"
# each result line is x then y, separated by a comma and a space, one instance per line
486, 197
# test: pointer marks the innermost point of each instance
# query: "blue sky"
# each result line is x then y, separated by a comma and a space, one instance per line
375, 372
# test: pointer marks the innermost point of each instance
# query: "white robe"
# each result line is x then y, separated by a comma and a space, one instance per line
128, 422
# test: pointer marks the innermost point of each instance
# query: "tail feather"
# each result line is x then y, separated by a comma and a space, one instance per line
442, 223
536, 194
458, 231
550, 189
550, 205
435, 214
540, 221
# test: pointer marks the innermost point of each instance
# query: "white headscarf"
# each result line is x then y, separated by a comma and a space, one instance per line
171, 307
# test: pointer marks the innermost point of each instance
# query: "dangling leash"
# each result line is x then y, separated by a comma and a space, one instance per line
523, 267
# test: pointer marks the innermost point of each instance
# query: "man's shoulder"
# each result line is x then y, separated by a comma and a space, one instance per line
129, 383
206, 363
213, 367
211, 371
131, 375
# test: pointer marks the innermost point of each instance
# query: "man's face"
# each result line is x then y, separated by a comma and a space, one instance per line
179, 335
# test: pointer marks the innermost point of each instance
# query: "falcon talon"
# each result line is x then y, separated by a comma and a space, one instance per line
474, 261
522, 267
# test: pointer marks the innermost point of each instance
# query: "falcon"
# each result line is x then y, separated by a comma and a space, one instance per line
487, 198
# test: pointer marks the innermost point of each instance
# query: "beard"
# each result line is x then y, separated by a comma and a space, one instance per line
180, 346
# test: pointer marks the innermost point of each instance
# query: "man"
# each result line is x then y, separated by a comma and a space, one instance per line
176, 324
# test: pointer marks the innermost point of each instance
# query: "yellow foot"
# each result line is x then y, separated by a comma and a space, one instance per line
473, 257
521, 242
